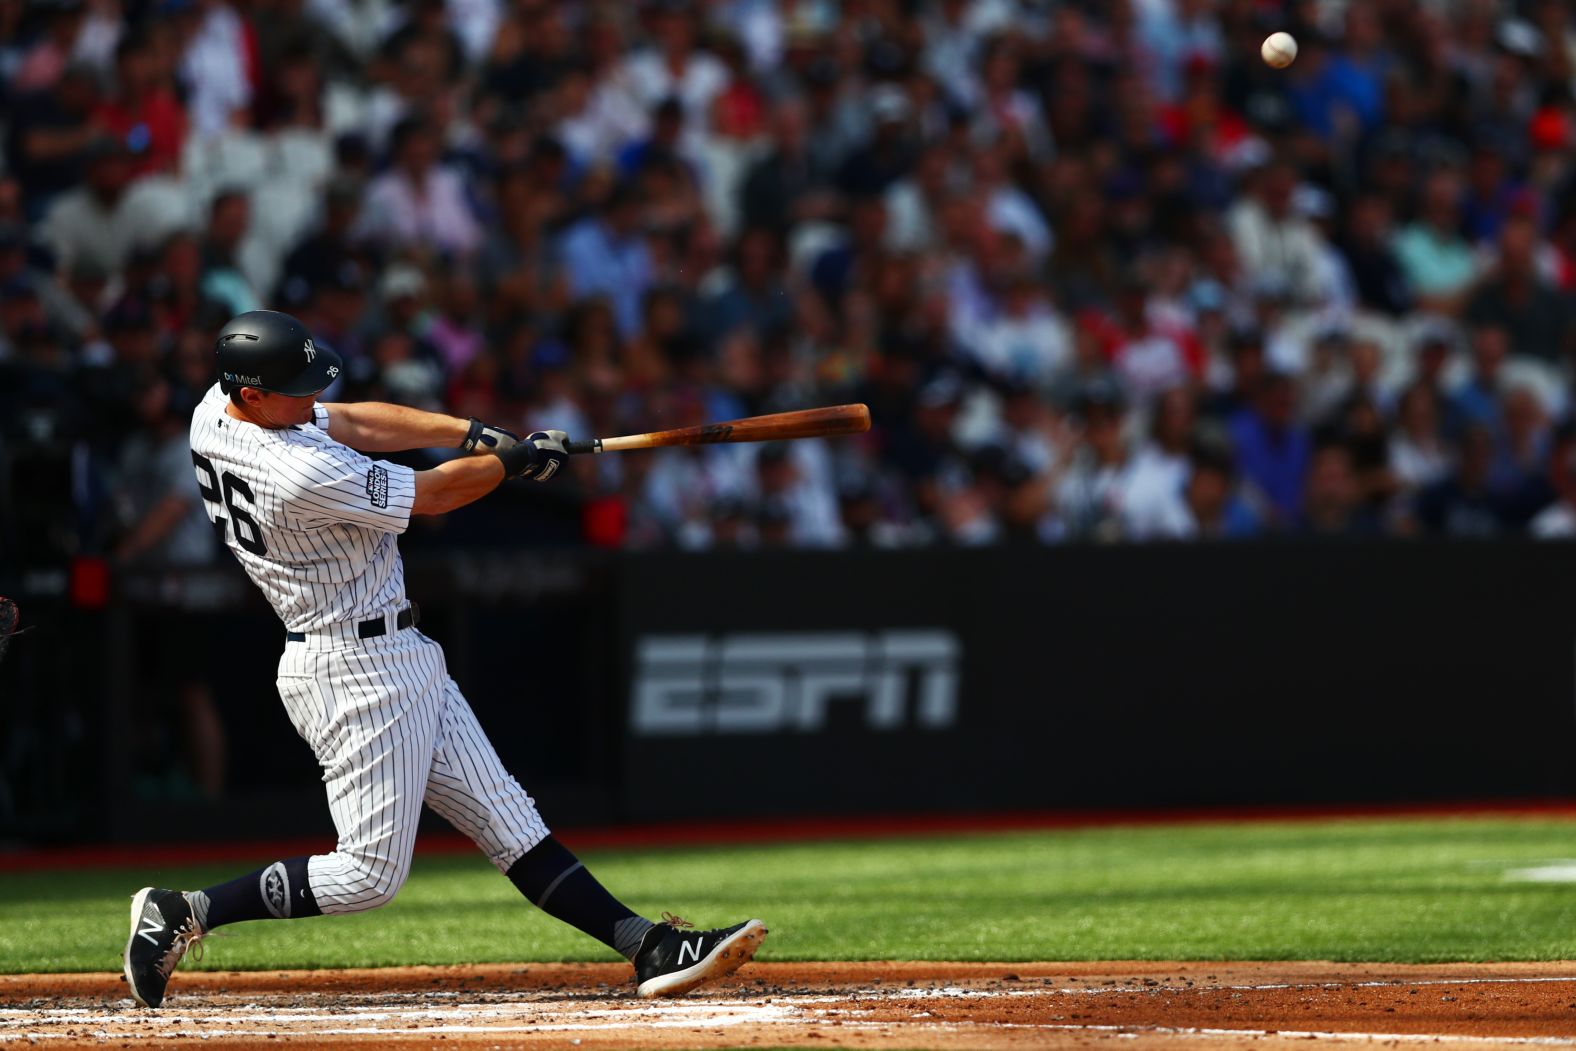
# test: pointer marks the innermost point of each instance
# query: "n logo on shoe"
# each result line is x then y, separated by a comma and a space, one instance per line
150, 927
690, 947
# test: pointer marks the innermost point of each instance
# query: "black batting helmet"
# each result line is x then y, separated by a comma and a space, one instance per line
273, 352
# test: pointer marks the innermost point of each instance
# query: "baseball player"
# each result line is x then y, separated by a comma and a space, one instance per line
314, 524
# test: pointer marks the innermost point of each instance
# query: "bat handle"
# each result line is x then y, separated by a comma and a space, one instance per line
587, 445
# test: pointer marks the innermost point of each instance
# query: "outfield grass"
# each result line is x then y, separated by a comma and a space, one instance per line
1414, 890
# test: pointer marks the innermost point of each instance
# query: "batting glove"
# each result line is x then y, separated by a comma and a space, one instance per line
540, 456
487, 438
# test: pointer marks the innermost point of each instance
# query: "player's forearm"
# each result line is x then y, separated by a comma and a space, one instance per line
455, 484
378, 427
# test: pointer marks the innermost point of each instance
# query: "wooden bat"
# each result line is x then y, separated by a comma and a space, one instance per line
806, 423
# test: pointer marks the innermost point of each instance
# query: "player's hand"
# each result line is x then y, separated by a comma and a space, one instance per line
488, 438
551, 454
540, 456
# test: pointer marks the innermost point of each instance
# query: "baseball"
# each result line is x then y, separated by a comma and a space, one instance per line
1279, 49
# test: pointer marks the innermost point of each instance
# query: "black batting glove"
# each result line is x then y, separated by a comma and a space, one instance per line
488, 438
540, 456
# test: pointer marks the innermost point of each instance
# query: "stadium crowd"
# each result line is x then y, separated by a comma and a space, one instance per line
1098, 271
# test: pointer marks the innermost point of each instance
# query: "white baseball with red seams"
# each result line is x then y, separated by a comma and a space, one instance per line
313, 523
1279, 50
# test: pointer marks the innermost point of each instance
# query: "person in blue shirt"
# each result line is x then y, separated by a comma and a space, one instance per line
1273, 448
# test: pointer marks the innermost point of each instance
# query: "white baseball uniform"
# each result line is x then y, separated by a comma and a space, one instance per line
314, 522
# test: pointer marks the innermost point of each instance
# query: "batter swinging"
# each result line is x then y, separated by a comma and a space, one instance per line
314, 523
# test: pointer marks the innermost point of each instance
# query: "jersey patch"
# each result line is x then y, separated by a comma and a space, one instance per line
378, 485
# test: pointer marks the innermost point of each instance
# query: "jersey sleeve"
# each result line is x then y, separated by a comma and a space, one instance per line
325, 484
320, 416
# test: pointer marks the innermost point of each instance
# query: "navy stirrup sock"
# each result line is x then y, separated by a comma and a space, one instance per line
278, 891
554, 880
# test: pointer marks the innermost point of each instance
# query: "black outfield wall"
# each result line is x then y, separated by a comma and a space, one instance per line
1072, 677
672, 687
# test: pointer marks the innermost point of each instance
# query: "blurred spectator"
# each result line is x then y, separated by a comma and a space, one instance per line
606, 254
789, 185
753, 297
1150, 353
1088, 498
673, 66
226, 253
1160, 467
1516, 297
42, 64
1272, 240
320, 254
1273, 449
1208, 505
218, 63
109, 216
163, 525
1465, 504
51, 136
1520, 464
1025, 341
1419, 456
1332, 502
160, 510
1434, 256
143, 111
795, 480
1558, 519
1377, 275
418, 202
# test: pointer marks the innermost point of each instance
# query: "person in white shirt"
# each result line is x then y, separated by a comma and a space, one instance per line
675, 68
419, 202
1418, 454
1273, 241
216, 67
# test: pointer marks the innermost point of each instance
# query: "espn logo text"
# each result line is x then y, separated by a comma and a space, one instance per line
788, 681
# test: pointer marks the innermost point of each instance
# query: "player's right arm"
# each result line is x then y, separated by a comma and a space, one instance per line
459, 482
333, 483
455, 484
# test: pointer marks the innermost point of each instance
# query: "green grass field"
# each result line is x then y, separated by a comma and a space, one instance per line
1383, 890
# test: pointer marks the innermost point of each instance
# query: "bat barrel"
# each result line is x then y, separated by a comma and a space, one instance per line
806, 423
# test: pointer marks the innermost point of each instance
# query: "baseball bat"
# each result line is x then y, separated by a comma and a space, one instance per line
806, 423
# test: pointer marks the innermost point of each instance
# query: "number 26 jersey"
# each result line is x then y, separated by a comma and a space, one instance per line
312, 521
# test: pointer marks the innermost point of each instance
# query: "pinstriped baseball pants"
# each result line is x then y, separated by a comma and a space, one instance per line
392, 731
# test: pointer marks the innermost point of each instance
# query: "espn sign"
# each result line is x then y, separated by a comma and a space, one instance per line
786, 681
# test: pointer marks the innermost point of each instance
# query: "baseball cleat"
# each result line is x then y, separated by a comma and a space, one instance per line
672, 961
162, 929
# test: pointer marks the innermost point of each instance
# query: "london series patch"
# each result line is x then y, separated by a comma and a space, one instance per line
378, 486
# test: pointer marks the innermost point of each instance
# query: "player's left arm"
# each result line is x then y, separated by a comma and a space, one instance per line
378, 427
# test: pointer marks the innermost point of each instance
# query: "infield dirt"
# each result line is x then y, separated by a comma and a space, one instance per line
861, 1005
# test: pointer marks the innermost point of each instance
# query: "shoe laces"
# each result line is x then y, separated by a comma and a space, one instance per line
675, 921
188, 938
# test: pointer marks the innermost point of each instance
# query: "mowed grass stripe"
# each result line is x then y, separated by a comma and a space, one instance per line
1382, 890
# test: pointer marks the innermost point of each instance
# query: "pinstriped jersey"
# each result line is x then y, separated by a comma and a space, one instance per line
312, 521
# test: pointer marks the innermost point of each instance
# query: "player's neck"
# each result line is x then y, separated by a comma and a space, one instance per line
232, 410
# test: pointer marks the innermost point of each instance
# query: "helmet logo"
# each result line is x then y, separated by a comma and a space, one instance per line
311, 351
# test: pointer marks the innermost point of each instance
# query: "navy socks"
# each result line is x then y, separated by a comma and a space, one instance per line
278, 892
554, 880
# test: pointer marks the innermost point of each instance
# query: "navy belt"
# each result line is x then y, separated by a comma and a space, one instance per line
408, 617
